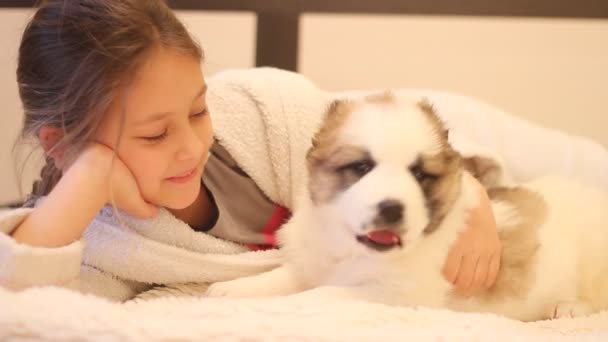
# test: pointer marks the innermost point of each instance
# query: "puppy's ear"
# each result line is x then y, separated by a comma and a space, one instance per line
337, 108
323, 141
486, 170
427, 107
334, 116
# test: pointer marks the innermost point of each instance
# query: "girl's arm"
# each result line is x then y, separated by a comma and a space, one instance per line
63, 216
59, 222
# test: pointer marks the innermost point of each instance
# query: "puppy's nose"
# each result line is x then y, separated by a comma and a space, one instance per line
390, 211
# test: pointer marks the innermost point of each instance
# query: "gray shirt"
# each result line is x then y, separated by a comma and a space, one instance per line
244, 213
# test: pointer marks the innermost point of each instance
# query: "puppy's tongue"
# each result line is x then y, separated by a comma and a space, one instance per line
384, 237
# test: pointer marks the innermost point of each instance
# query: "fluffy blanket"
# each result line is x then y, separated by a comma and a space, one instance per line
60, 315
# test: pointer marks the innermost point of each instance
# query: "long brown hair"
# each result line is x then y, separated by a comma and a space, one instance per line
75, 53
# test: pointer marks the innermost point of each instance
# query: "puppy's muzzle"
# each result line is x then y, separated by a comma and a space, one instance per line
386, 233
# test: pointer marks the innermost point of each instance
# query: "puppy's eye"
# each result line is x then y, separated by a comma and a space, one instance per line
420, 174
359, 167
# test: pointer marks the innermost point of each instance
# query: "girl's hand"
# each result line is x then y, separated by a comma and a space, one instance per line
93, 178
120, 185
473, 262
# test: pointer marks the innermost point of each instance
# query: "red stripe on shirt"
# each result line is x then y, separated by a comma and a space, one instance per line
279, 216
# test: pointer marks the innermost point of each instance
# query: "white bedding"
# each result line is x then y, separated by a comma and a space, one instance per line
60, 315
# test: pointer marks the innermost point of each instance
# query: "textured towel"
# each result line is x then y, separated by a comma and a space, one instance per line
165, 250
266, 118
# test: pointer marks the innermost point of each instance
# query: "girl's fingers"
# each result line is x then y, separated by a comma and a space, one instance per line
493, 270
481, 274
466, 274
452, 265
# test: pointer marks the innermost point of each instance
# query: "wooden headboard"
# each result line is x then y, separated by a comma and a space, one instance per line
278, 20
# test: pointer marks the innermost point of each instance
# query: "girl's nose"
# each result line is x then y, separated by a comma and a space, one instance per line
191, 146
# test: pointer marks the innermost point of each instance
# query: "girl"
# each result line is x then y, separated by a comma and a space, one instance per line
114, 93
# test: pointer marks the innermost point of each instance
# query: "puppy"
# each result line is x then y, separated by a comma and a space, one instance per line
387, 197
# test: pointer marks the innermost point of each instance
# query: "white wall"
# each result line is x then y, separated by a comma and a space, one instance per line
12, 23
553, 72
548, 71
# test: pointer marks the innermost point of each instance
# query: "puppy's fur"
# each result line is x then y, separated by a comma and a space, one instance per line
385, 164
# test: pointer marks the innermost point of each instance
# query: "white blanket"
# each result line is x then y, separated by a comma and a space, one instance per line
252, 97
59, 315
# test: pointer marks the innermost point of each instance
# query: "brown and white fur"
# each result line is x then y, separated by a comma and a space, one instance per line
381, 152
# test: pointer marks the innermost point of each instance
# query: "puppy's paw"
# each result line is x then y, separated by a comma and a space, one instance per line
482, 162
278, 282
570, 310
331, 292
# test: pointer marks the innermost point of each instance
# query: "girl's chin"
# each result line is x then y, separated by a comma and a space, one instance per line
181, 202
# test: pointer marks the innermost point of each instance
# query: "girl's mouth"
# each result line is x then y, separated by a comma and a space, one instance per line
184, 177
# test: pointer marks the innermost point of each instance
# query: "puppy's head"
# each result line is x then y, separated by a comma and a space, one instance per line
384, 167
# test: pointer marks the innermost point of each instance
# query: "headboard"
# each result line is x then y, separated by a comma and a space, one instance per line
278, 20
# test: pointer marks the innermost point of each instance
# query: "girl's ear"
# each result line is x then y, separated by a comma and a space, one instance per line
49, 136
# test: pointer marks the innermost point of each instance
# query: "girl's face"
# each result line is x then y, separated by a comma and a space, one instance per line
167, 133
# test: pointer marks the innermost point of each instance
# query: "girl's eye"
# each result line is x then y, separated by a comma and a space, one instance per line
156, 138
199, 114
